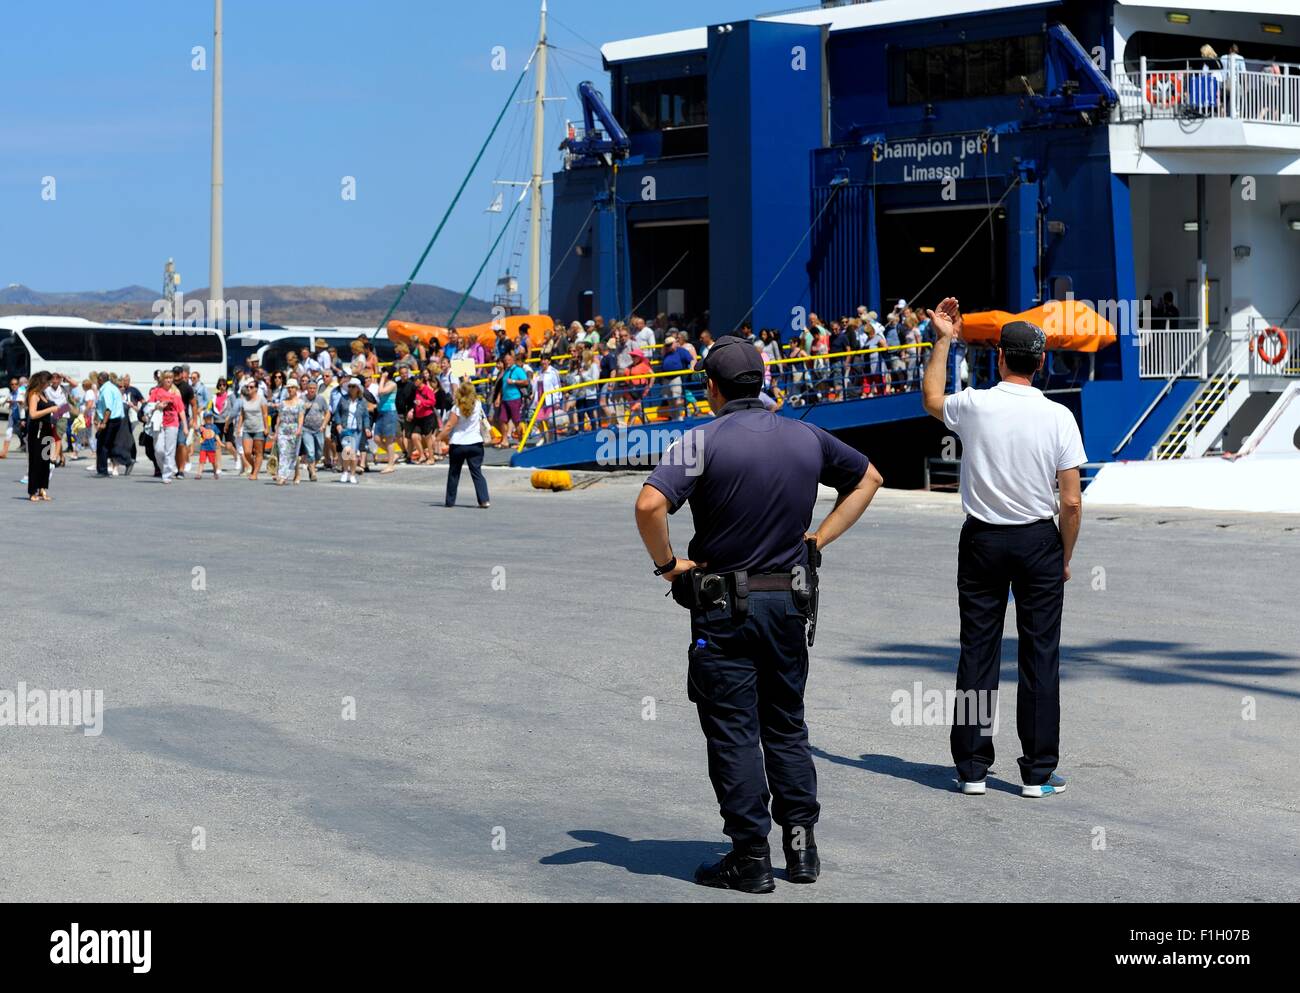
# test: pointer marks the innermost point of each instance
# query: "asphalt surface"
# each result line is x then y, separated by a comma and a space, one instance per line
499, 749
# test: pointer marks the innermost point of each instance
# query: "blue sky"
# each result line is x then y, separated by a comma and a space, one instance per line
397, 93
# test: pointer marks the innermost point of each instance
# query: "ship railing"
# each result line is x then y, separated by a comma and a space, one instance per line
660, 398
1274, 355
1167, 349
1197, 355
1229, 88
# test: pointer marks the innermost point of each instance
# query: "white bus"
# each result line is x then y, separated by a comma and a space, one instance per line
270, 344
77, 347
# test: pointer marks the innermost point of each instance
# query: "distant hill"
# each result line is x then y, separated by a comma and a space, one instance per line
317, 305
15, 294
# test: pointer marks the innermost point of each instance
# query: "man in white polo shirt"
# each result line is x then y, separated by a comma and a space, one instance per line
1018, 449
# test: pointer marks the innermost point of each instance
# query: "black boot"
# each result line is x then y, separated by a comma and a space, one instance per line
801, 862
748, 869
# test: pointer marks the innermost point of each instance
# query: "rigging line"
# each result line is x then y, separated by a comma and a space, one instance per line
557, 107
978, 227
573, 54
829, 200
582, 229
451, 321
456, 199
582, 63
556, 20
515, 147
661, 282
518, 130
988, 198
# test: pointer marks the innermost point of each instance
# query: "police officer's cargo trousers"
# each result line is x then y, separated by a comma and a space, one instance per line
747, 681
1030, 559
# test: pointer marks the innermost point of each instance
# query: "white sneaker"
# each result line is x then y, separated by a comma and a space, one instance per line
973, 787
90, 468
344, 478
354, 479
218, 473
1056, 784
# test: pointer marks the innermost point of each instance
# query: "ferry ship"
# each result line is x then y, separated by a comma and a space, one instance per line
1140, 155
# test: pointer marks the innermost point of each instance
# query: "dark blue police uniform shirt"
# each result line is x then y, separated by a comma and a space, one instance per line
750, 477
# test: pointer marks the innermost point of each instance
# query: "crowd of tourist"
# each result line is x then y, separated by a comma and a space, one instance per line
320, 412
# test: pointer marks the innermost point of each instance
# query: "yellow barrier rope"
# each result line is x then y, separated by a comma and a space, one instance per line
686, 372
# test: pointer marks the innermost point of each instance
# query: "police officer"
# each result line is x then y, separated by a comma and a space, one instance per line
1018, 450
750, 477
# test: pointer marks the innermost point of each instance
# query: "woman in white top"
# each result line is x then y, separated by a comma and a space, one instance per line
464, 430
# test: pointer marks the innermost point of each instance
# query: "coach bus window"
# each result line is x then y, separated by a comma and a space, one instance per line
96, 346
273, 357
13, 358
60, 344
137, 347
187, 348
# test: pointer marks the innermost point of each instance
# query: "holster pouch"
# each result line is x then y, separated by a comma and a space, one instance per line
740, 589
685, 590
696, 590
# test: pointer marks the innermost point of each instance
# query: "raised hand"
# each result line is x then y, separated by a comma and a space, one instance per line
946, 320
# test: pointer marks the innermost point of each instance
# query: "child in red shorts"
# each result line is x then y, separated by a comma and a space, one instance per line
208, 447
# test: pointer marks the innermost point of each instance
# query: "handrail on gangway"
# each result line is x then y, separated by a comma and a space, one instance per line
1164, 392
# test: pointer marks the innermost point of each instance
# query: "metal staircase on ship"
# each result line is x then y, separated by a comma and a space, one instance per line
1200, 425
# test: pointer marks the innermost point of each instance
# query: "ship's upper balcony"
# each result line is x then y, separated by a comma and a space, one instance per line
1190, 118
1209, 104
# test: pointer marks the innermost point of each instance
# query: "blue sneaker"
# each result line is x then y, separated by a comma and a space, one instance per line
1054, 785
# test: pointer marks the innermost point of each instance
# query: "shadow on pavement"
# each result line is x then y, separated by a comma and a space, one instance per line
673, 859
1155, 663
937, 777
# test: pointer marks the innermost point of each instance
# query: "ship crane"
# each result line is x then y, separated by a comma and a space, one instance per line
595, 146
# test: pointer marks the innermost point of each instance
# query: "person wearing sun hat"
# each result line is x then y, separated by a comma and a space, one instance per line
354, 428
288, 433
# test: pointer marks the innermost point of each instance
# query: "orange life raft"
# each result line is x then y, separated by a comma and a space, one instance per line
1070, 325
413, 334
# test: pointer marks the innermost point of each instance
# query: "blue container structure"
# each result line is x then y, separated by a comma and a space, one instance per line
858, 154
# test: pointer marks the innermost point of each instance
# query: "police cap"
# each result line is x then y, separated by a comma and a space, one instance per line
733, 360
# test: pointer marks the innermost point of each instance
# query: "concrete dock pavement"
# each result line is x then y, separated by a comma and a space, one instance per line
331, 692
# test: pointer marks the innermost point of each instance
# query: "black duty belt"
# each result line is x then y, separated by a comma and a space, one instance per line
771, 582
700, 590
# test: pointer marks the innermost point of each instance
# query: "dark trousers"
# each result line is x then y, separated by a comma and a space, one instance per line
1030, 561
40, 450
105, 438
747, 682
473, 456
146, 440
587, 416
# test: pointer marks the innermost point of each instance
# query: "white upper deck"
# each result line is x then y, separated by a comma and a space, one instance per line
860, 15
881, 12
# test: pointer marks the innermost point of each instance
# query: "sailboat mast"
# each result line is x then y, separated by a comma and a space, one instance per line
539, 149
216, 280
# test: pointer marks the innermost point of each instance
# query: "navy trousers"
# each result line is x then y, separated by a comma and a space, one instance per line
746, 679
462, 455
1029, 560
